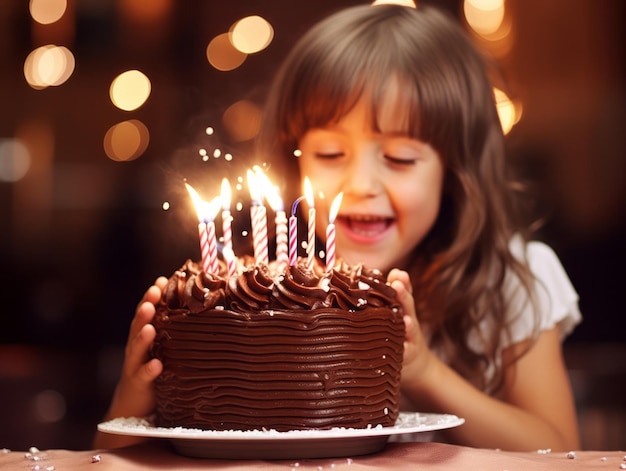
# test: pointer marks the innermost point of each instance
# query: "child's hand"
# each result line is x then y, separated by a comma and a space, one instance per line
134, 395
417, 356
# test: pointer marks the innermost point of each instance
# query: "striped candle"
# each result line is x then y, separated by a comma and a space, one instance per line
330, 232
310, 246
282, 257
227, 219
258, 217
205, 249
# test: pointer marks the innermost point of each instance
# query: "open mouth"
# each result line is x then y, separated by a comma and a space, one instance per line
365, 226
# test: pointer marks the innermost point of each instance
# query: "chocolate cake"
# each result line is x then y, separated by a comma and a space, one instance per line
288, 351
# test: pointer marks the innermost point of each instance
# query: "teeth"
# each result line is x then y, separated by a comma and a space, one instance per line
365, 218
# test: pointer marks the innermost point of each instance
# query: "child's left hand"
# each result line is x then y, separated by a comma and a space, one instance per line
418, 358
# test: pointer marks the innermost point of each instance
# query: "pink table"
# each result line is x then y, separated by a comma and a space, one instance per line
432, 456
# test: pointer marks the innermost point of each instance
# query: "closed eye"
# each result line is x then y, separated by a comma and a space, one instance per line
400, 160
329, 155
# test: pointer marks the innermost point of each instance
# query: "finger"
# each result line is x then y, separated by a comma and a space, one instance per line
150, 370
161, 282
144, 315
402, 276
138, 348
153, 294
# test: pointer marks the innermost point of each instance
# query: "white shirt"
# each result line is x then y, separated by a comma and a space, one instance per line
556, 299
556, 303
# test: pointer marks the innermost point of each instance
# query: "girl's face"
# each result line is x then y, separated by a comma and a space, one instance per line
391, 184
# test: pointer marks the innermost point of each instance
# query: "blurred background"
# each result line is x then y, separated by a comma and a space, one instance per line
108, 105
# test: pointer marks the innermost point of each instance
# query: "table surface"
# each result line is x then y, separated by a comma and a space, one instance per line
433, 456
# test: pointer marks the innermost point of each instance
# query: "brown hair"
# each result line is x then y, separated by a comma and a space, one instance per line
458, 271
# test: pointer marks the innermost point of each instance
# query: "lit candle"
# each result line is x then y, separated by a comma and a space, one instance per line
276, 203
231, 261
258, 216
293, 233
226, 217
202, 233
330, 232
211, 211
310, 246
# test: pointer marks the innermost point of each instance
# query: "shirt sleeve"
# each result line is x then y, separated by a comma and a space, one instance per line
556, 299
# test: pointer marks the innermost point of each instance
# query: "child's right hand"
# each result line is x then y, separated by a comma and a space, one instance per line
134, 394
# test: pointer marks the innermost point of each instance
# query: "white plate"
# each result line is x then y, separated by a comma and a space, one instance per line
270, 444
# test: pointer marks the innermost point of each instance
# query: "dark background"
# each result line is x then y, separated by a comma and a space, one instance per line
82, 236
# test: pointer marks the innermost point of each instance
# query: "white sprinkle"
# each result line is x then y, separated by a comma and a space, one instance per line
386, 411
96, 459
219, 308
6, 451
603, 458
50, 468
36, 468
363, 285
571, 455
349, 461
622, 466
361, 302
384, 357
33, 449
325, 284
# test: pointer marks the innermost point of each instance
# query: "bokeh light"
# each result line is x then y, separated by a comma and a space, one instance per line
251, 34
47, 11
15, 160
48, 65
509, 112
126, 141
130, 90
406, 3
222, 55
485, 17
242, 120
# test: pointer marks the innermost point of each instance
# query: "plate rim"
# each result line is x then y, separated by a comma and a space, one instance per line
142, 428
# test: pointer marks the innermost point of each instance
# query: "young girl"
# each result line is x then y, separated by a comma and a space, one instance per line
392, 106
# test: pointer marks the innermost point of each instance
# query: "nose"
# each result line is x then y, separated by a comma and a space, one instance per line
363, 177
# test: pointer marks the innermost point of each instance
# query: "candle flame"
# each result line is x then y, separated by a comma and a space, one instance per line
225, 195
270, 191
308, 192
334, 208
212, 208
253, 186
206, 211
198, 203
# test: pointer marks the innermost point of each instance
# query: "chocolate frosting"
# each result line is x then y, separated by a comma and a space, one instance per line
283, 352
